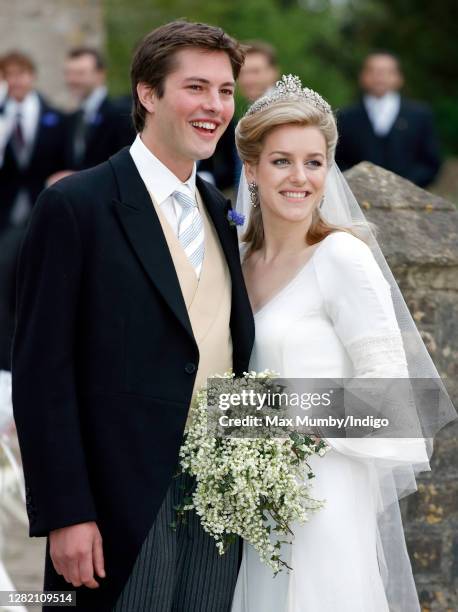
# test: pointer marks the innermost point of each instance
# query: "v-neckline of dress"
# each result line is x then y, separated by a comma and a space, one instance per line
292, 281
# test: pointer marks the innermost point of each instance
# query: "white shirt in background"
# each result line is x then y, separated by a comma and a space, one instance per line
383, 111
92, 103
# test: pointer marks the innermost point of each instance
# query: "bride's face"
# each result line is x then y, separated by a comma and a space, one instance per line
290, 173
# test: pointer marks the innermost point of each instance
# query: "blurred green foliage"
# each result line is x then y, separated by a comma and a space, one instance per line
323, 41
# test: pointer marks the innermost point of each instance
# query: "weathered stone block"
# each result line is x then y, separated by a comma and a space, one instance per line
444, 464
418, 234
434, 503
425, 552
437, 600
415, 227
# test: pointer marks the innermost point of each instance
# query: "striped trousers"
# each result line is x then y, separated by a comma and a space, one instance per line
180, 570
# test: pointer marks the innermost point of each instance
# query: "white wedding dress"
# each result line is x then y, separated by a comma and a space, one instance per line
335, 318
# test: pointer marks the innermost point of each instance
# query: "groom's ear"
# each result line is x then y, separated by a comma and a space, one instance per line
146, 96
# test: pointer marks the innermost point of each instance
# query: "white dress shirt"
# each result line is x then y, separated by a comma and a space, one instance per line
92, 103
161, 182
383, 111
3, 92
29, 110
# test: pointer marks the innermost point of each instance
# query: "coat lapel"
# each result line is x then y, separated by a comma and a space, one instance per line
96, 127
400, 125
143, 229
367, 129
242, 323
368, 139
217, 209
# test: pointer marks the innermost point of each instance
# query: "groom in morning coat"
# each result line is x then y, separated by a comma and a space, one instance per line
131, 294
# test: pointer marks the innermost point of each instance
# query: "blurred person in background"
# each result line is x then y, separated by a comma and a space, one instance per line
101, 126
222, 169
387, 129
34, 141
33, 148
258, 74
260, 71
3, 122
3, 84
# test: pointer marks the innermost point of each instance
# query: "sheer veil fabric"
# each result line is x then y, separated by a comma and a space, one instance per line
381, 470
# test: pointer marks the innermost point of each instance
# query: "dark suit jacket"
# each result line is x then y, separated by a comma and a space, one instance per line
410, 149
47, 157
10, 240
104, 360
110, 131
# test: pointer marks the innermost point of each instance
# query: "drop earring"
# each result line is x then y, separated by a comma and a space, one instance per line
254, 194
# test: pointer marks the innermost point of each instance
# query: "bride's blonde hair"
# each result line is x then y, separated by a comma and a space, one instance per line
250, 134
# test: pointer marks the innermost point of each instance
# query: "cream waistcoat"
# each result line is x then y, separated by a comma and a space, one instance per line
208, 299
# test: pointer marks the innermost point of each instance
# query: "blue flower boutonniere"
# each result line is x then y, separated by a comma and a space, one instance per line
235, 218
50, 119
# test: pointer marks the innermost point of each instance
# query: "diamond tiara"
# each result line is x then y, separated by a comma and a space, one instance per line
289, 88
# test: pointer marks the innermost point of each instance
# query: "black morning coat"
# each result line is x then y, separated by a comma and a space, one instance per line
104, 361
410, 149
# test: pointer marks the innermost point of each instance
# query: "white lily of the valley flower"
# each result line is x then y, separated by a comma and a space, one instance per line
238, 479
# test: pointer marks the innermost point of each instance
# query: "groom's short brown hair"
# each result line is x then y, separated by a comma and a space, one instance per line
154, 58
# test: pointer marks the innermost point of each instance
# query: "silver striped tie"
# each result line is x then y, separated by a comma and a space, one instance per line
191, 230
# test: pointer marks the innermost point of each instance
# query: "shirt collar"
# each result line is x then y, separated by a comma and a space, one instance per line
92, 103
390, 98
30, 103
159, 180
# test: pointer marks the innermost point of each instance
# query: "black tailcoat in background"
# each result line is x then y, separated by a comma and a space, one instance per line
104, 360
47, 156
410, 149
110, 130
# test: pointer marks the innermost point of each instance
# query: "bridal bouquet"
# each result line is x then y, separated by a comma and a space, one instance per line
252, 488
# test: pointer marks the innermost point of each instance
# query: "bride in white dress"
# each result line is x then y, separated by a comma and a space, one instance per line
323, 309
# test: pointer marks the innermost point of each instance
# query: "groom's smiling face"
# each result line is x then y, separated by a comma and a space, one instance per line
185, 124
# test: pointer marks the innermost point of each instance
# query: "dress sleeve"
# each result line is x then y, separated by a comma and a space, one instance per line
358, 301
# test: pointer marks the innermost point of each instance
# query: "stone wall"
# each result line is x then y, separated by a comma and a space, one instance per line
418, 233
446, 184
46, 29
